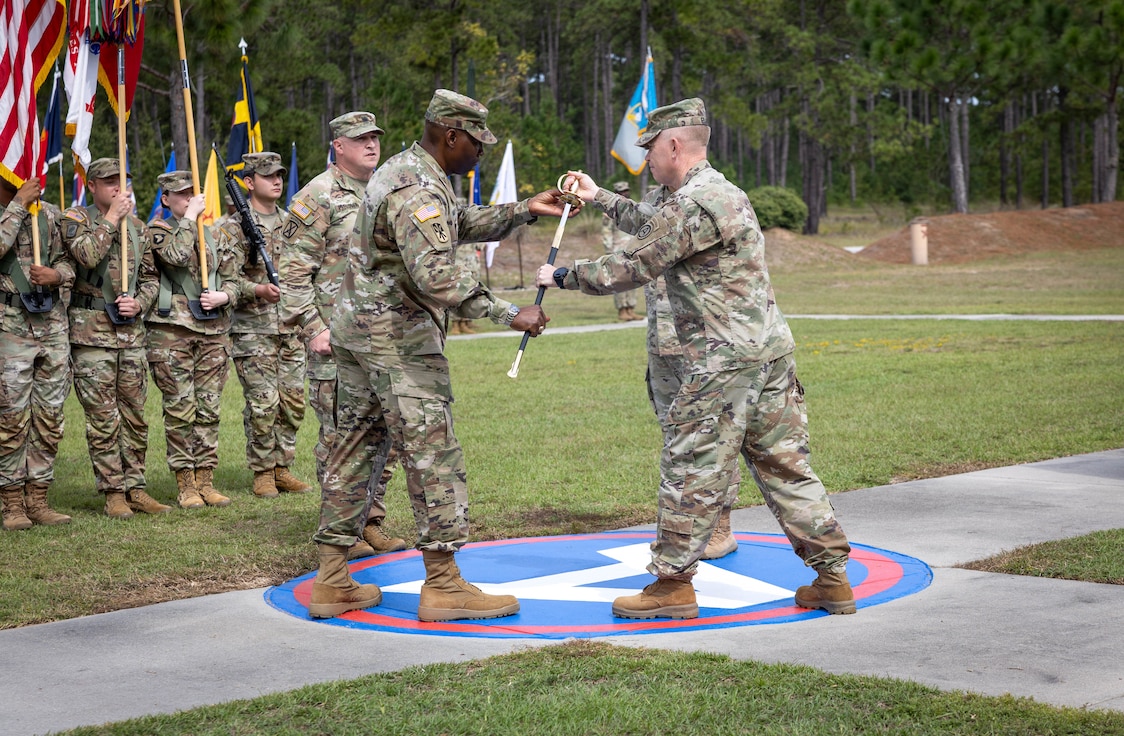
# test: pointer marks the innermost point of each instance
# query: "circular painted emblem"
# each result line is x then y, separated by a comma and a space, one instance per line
566, 586
644, 231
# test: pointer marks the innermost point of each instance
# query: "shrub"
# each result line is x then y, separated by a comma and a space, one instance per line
778, 207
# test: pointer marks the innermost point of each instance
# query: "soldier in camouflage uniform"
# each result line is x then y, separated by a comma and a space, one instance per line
35, 356
614, 240
664, 377
739, 392
269, 357
108, 352
388, 336
189, 356
317, 233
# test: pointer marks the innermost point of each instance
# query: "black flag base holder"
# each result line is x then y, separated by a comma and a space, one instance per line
37, 301
115, 315
199, 313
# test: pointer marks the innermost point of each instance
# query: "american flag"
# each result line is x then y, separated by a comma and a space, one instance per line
31, 35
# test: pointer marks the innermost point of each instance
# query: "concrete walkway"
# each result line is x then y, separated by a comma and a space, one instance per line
1057, 641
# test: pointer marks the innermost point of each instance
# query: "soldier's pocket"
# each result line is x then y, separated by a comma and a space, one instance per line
160, 363
423, 404
692, 421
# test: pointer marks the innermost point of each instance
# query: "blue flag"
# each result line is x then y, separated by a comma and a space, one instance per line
294, 181
635, 121
52, 125
474, 176
157, 208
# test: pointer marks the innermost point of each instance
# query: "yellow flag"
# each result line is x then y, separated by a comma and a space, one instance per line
212, 194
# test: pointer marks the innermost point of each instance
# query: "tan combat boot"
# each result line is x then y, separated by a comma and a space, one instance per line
333, 591
446, 596
360, 550
116, 506
13, 511
665, 598
380, 541
286, 482
622, 315
467, 328
722, 541
830, 591
204, 484
189, 497
144, 503
38, 510
265, 486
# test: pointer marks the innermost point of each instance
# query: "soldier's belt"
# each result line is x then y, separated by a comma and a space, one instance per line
83, 301
13, 298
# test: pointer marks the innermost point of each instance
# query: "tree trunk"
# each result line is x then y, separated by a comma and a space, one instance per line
965, 139
1004, 152
1110, 152
955, 158
1065, 146
784, 151
851, 162
179, 115
812, 155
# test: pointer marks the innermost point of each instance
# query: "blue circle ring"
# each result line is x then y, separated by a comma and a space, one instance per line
877, 576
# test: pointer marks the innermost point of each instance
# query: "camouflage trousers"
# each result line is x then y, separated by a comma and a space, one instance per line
190, 370
271, 370
322, 397
112, 386
664, 378
34, 383
400, 402
758, 412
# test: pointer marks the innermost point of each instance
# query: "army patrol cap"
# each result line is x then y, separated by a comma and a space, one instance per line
676, 115
105, 168
354, 124
460, 113
174, 181
262, 164
621, 187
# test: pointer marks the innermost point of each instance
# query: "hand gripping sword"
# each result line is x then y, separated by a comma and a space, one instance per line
570, 199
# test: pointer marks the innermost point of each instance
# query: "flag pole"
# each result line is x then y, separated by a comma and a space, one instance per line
193, 157
121, 165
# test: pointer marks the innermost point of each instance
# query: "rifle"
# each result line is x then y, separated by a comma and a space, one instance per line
250, 228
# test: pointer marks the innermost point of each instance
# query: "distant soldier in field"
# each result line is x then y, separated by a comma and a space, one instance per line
35, 355
317, 235
269, 356
616, 241
189, 355
108, 337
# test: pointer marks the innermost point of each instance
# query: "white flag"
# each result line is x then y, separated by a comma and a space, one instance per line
504, 193
80, 75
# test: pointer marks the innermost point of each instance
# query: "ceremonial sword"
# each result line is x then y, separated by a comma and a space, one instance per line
570, 199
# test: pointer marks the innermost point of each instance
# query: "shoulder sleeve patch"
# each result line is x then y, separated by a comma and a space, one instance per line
75, 214
301, 209
653, 230
427, 212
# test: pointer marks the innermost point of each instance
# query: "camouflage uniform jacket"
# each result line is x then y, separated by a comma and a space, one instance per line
92, 240
705, 239
15, 233
402, 274
174, 246
317, 234
252, 315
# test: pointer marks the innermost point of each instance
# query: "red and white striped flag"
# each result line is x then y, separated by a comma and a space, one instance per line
31, 35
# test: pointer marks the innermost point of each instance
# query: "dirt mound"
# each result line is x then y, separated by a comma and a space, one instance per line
786, 249
961, 238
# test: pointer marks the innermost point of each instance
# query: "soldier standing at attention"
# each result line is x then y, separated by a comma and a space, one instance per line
738, 392
317, 234
189, 355
269, 357
616, 241
388, 336
108, 337
35, 354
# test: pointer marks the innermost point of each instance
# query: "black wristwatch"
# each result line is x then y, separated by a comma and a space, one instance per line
560, 276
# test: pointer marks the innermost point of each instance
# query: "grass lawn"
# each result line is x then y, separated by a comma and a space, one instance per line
572, 446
